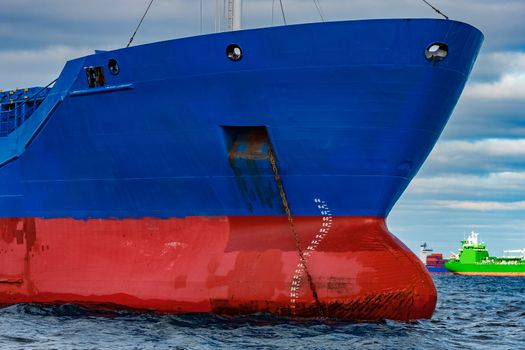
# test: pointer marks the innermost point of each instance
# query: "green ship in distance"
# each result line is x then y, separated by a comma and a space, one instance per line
474, 259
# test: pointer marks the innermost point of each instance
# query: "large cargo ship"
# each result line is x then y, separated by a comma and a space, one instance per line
474, 259
434, 262
236, 172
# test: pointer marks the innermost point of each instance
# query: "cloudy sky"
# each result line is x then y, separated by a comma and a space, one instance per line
475, 177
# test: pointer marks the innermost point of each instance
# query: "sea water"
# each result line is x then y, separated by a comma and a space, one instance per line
472, 313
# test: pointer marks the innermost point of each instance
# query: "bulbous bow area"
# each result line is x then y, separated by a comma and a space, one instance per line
339, 267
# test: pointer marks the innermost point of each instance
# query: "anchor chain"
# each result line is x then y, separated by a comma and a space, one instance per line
282, 193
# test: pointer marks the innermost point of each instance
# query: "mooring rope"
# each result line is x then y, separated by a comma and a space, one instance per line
282, 11
319, 9
435, 9
140, 23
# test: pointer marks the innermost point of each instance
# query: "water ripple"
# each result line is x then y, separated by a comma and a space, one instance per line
472, 313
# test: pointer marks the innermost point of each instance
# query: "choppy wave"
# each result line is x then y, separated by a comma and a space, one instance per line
472, 313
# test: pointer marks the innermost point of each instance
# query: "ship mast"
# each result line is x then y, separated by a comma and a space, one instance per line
234, 14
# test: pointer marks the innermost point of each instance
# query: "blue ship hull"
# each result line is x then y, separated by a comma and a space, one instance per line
437, 270
349, 109
352, 110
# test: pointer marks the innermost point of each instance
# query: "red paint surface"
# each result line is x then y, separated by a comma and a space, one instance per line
227, 265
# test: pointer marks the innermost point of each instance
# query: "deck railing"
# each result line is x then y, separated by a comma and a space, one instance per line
17, 106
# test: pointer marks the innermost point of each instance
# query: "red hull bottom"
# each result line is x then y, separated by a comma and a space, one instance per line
225, 265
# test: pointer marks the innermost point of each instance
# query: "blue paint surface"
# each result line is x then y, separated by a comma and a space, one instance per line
437, 270
352, 110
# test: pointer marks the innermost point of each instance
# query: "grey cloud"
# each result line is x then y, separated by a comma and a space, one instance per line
35, 67
494, 185
476, 118
485, 156
63, 21
492, 65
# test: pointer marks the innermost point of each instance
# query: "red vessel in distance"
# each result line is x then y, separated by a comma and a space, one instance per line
436, 264
433, 261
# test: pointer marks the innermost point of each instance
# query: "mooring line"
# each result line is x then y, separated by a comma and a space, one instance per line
293, 231
435, 9
140, 23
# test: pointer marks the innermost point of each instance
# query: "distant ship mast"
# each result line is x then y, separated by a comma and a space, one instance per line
234, 14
